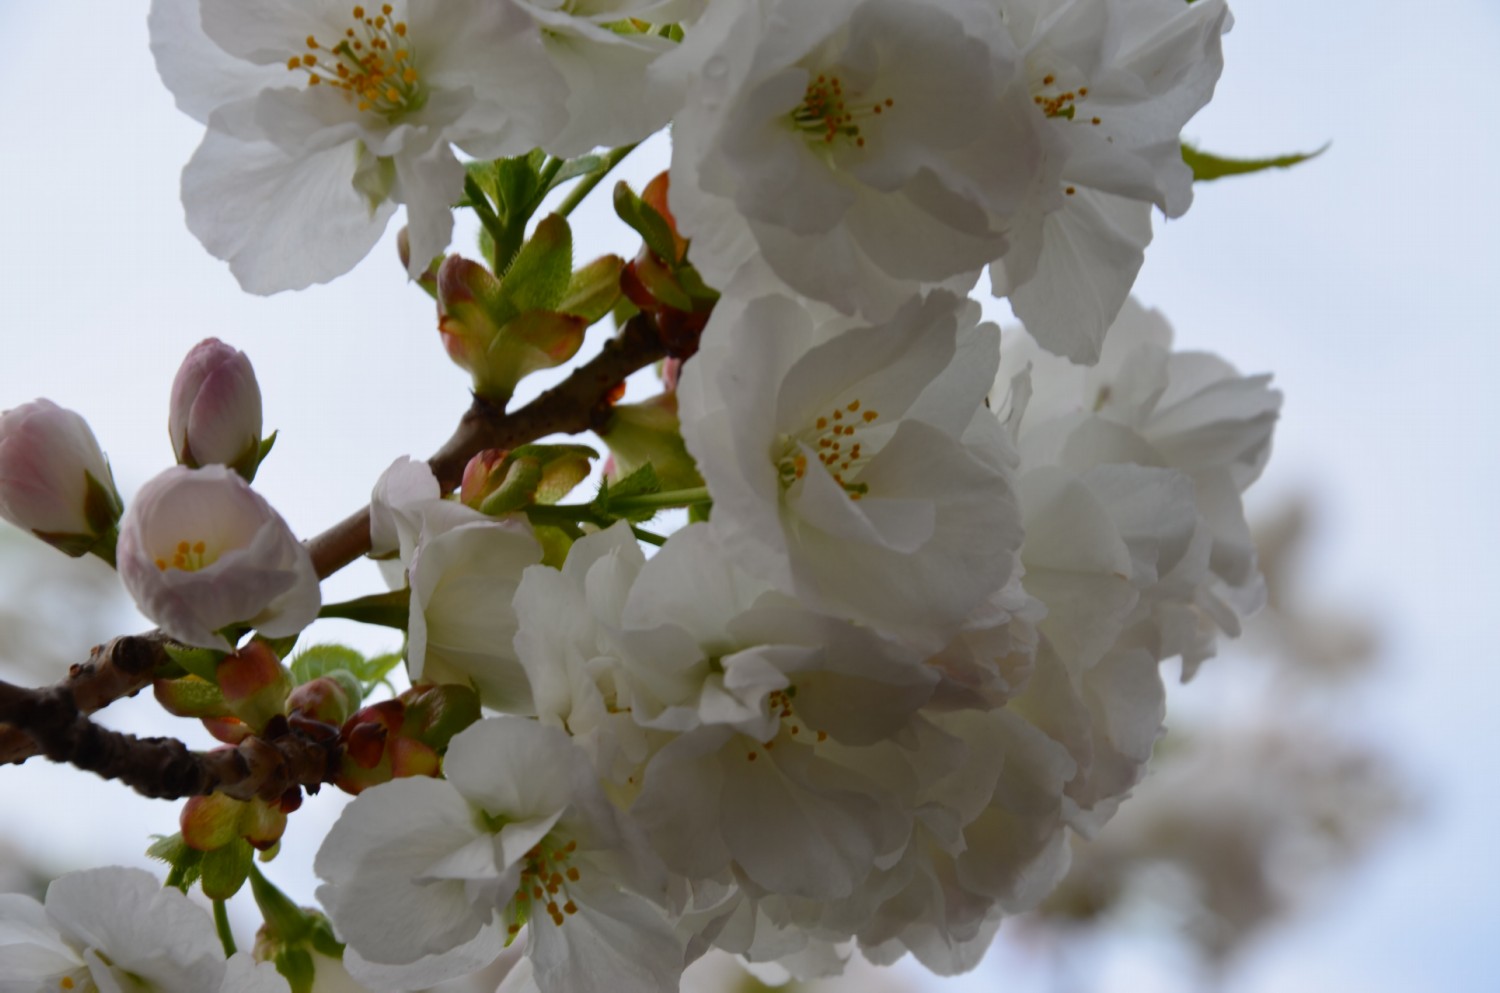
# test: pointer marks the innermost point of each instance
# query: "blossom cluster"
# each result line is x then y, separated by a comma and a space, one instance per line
911, 637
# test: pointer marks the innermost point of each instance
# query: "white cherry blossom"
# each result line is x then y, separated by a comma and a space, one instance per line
115, 929
863, 148
1116, 81
428, 879
322, 117
846, 464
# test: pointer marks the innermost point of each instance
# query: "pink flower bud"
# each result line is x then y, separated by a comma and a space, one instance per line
54, 480
215, 416
200, 550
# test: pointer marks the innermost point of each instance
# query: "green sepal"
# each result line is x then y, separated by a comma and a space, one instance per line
249, 463
186, 863
542, 271
101, 505
556, 542
391, 610
282, 647
295, 964
285, 921
225, 869
1207, 166
201, 662
593, 290
699, 513
518, 184
190, 696
647, 222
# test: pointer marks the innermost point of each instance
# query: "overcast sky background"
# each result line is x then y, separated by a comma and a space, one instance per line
1365, 281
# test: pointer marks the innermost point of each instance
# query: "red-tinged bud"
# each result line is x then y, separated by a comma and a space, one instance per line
410, 757
262, 823
291, 800
229, 730
255, 684
190, 696
497, 482
434, 714
215, 414
656, 194
486, 332
211, 822
330, 699
364, 744
482, 476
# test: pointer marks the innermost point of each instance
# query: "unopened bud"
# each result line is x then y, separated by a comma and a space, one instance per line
54, 480
498, 482
210, 822
410, 757
255, 684
215, 417
434, 714
331, 698
485, 333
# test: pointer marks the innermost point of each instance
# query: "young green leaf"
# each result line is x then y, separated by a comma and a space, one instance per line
1207, 166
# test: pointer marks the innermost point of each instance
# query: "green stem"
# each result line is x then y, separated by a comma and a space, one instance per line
649, 537
221, 921
661, 501
486, 215
586, 185
546, 174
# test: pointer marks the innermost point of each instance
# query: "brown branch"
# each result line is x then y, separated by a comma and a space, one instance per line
165, 768
125, 666
572, 406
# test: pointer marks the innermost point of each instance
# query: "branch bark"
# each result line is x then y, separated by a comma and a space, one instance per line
125, 665
264, 767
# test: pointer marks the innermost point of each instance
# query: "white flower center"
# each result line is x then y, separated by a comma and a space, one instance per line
190, 556
373, 64
1055, 101
545, 877
826, 114
791, 727
828, 436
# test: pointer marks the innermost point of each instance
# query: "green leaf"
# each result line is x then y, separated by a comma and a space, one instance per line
518, 184
483, 176
1207, 166
185, 862
319, 660
226, 869
573, 168
374, 671
593, 290
643, 481
644, 218
391, 610
539, 277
